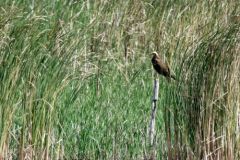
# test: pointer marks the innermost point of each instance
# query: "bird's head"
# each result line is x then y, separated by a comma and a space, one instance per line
154, 54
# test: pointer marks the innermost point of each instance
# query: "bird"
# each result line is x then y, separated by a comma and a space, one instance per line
161, 67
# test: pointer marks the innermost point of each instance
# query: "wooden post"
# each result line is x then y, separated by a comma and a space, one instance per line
153, 117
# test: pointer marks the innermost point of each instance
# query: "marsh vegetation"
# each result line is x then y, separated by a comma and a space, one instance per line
76, 79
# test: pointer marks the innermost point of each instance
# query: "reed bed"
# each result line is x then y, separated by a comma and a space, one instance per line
76, 79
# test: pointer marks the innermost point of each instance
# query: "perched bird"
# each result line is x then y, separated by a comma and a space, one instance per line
161, 67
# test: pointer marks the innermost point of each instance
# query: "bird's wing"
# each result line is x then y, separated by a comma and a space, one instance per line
158, 60
167, 66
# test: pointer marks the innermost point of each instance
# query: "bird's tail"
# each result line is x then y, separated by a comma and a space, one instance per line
173, 77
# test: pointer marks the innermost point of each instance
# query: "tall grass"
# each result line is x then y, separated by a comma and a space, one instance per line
76, 79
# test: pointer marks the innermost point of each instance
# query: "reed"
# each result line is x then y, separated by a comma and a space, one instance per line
76, 79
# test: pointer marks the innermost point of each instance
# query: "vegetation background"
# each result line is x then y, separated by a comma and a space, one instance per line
76, 79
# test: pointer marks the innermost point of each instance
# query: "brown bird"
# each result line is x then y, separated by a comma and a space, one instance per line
161, 67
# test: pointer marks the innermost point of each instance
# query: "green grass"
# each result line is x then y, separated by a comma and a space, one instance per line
76, 79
